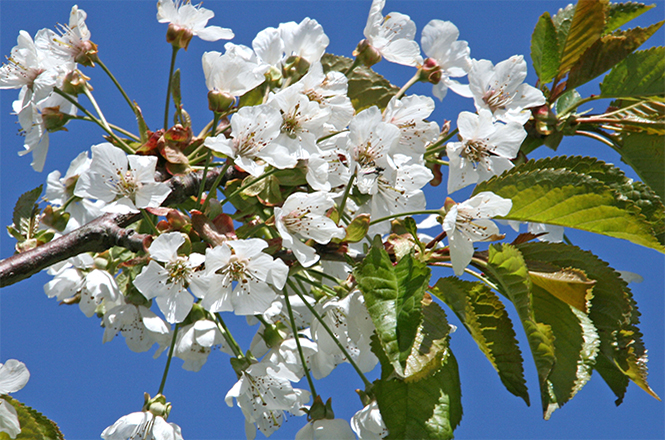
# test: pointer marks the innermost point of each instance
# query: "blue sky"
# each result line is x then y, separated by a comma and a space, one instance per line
85, 386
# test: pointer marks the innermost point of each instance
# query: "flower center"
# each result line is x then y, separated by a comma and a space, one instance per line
291, 123
475, 151
125, 184
496, 99
179, 271
237, 269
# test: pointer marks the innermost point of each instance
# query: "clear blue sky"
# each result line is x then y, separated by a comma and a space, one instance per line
85, 386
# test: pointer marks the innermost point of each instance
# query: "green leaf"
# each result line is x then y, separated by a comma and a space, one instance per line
641, 73
34, 425
637, 116
545, 49
366, 87
25, 211
567, 101
562, 21
393, 295
645, 153
507, 268
545, 191
607, 52
485, 317
431, 342
357, 229
613, 311
576, 344
569, 285
430, 408
618, 14
586, 28
143, 127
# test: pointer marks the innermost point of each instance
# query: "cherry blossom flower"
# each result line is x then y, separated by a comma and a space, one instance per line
501, 90
485, 149
304, 216
187, 20
468, 222
253, 131
168, 283
447, 57
329, 91
301, 44
73, 44
392, 36
231, 73
409, 114
125, 183
195, 342
242, 262
352, 326
13, 376
140, 327
333, 429
142, 425
77, 276
368, 423
263, 396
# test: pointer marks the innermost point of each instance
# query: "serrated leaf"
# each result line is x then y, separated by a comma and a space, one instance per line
545, 49
641, 116
576, 343
430, 408
485, 317
606, 52
25, 211
562, 21
507, 268
613, 310
431, 343
357, 229
618, 14
34, 425
586, 28
542, 193
645, 153
569, 285
393, 295
642, 73
365, 87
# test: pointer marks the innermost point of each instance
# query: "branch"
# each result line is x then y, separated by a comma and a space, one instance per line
100, 234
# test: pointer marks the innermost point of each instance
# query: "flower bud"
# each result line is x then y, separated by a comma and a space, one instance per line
430, 71
219, 101
75, 83
367, 54
158, 405
178, 36
295, 66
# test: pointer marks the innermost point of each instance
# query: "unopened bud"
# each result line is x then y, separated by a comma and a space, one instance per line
178, 36
367, 54
75, 83
219, 101
430, 71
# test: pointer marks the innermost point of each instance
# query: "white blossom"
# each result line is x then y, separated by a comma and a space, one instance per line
303, 216
439, 43
140, 327
142, 425
168, 283
485, 149
13, 376
326, 429
193, 19
195, 342
392, 36
501, 89
125, 183
305, 40
252, 146
244, 263
468, 222
409, 114
231, 72
368, 423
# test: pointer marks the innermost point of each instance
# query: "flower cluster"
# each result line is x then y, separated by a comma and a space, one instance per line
302, 165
